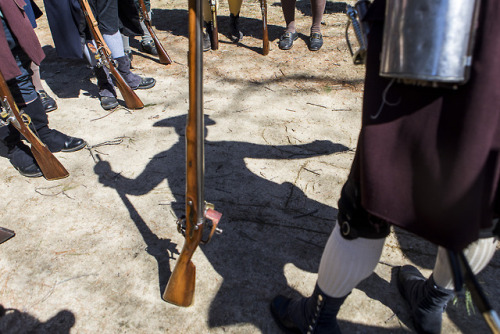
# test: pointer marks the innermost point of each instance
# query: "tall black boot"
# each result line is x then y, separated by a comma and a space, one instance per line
18, 153
234, 25
427, 301
107, 92
133, 80
315, 314
56, 141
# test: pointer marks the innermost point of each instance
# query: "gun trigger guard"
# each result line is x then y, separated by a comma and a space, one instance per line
214, 218
25, 117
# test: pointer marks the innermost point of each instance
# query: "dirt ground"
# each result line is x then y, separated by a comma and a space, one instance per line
93, 252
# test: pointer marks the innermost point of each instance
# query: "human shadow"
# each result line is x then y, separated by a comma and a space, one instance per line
66, 77
13, 321
161, 249
266, 225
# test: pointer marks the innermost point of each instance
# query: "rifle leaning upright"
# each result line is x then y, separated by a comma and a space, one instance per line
162, 53
265, 34
214, 30
199, 214
51, 168
103, 57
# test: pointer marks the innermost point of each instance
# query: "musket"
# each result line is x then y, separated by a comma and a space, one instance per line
214, 30
51, 168
463, 274
356, 15
200, 216
162, 53
265, 34
103, 57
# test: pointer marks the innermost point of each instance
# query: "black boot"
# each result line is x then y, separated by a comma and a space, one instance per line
21, 158
107, 93
315, 314
133, 80
149, 46
48, 102
427, 301
236, 34
55, 140
19, 154
59, 142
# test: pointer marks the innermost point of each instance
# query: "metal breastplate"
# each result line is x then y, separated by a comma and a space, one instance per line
429, 42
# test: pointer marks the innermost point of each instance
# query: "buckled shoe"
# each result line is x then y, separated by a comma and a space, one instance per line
287, 39
315, 41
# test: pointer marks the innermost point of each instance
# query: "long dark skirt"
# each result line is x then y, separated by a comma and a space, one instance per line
430, 162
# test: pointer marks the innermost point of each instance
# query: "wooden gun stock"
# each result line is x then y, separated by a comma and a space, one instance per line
181, 284
214, 36
265, 34
162, 53
132, 101
51, 168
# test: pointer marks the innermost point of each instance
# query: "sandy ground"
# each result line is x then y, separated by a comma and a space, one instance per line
93, 252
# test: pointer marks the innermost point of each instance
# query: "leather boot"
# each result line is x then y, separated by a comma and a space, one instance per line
133, 80
18, 153
315, 314
107, 92
55, 140
236, 34
427, 301
48, 102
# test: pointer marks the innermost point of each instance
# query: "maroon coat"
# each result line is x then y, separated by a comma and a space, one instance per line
21, 28
430, 163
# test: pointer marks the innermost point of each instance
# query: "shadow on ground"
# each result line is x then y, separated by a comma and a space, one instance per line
15, 321
266, 225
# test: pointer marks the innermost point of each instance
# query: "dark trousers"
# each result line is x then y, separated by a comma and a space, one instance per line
22, 90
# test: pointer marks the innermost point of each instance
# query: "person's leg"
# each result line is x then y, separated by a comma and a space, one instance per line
27, 99
126, 47
350, 255
290, 35
18, 153
316, 38
234, 16
107, 92
48, 102
428, 298
344, 264
147, 43
208, 23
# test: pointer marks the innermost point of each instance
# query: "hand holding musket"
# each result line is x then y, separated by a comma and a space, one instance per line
51, 168
164, 58
103, 57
